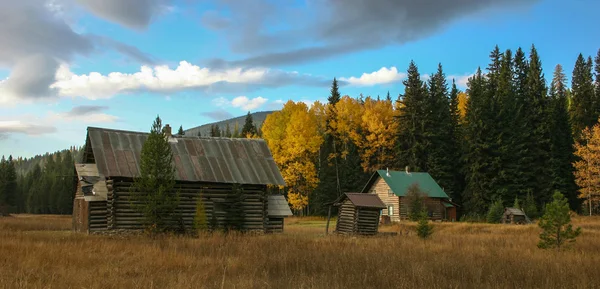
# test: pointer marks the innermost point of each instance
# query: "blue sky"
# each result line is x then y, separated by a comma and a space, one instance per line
213, 59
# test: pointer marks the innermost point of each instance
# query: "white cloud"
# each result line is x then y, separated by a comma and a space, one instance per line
23, 127
242, 102
461, 80
90, 118
161, 78
248, 104
382, 76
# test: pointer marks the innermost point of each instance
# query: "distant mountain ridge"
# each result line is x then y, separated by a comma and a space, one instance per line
258, 118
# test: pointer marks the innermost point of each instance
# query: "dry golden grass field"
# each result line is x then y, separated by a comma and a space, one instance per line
42, 252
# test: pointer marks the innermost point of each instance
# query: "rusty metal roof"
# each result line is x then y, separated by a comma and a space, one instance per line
196, 159
364, 200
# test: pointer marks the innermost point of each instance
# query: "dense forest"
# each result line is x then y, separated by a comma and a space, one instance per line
512, 136
43, 184
509, 138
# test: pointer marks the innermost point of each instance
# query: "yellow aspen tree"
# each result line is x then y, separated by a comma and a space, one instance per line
347, 119
293, 137
462, 104
376, 139
587, 168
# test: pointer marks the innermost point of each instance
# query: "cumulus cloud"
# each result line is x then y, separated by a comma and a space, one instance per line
242, 102
219, 114
86, 114
382, 76
21, 127
327, 28
37, 39
161, 78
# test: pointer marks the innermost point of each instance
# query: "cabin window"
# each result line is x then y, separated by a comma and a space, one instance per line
390, 209
390, 193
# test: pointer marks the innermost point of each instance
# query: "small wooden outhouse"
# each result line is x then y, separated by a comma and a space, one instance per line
358, 213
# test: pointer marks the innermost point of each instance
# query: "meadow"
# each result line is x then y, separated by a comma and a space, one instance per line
40, 251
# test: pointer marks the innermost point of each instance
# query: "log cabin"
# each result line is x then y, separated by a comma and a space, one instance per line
392, 187
205, 167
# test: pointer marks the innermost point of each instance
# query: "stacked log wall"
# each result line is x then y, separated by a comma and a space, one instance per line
367, 221
97, 216
346, 223
275, 225
433, 204
216, 198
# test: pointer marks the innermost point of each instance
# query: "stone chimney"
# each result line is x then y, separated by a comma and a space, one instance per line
167, 131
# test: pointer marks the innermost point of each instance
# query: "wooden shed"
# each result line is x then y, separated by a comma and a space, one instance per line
278, 210
205, 167
514, 216
358, 213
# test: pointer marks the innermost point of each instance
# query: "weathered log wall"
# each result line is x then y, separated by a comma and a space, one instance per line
275, 225
97, 216
434, 205
216, 198
346, 223
367, 221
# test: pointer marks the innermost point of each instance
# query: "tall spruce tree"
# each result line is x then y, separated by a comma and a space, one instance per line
582, 108
180, 131
561, 140
248, 129
539, 147
329, 187
155, 184
412, 142
478, 156
508, 182
458, 136
442, 157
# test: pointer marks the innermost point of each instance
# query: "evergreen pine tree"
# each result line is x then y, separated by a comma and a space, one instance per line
227, 130
234, 219
328, 166
412, 142
388, 97
3, 190
248, 128
597, 83
439, 131
478, 172
155, 185
180, 131
539, 148
561, 140
424, 228
530, 207
556, 224
582, 105
516, 204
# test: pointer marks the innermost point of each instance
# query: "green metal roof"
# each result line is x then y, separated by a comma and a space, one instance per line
400, 181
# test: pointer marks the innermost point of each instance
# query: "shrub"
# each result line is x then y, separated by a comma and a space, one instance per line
495, 212
529, 207
424, 228
200, 222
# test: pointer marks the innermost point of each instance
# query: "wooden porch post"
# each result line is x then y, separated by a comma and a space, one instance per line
328, 218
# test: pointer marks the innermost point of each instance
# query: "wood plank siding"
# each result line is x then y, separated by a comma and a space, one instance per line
381, 188
346, 218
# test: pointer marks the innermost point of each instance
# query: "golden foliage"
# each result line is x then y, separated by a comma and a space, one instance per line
293, 135
371, 127
462, 104
587, 169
